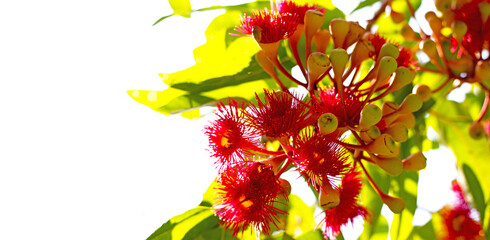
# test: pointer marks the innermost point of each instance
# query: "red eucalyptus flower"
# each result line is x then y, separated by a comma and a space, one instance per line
404, 59
478, 32
329, 101
319, 157
457, 221
274, 26
230, 136
281, 115
289, 6
246, 195
348, 208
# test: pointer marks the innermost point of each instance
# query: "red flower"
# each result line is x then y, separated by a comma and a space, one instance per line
289, 6
377, 42
404, 59
274, 26
478, 32
246, 195
328, 101
280, 115
319, 157
230, 136
348, 207
457, 221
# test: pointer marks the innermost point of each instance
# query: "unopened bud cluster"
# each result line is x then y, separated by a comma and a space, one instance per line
310, 130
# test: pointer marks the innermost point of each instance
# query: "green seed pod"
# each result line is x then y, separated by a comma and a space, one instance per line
403, 76
482, 71
327, 123
389, 49
459, 30
339, 29
429, 48
442, 5
370, 115
411, 103
387, 66
317, 64
415, 162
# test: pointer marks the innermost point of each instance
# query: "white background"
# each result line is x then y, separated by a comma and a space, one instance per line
79, 159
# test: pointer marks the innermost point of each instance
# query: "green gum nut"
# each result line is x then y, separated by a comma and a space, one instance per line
339, 29
338, 59
387, 66
482, 71
411, 103
389, 49
484, 10
370, 115
393, 166
415, 162
327, 123
318, 64
395, 204
459, 30
403, 76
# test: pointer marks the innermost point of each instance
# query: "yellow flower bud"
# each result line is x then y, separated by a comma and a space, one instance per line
398, 131
406, 119
423, 91
387, 66
338, 59
370, 115
395, 204
355, 33
429, 48
389, 49
393, 165
339, 29
361, 52
383, 145
411, 103
328, 197
317, 64
313, 21
327, 123
403, 76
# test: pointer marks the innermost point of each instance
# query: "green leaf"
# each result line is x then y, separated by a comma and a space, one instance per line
364, 4
476, 191
311, 235
426, 232
187, 225
181, 7
300, 216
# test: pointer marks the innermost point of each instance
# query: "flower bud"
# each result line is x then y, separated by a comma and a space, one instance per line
264, 62
313, 21
429, 48
435, 22
317, 64
370, 115
423, 91
442, 5
393, 166
406, 119
459, 30
327, 123
368, 135
338, 59
361, 52
408, 33
484, 10
286, 186
477, 130
415, 162
389, 49
396, 16
321, 39
395, 204
383, 145
398, 131
339, 29
355, 33
403, 76
411, 103
328, 197
387, 66
482, 71
389, 107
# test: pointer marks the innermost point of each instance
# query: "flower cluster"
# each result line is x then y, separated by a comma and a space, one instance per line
326, 134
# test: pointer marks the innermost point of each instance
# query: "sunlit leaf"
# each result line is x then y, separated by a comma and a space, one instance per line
301, 216
181, 7
365, 3
475, 190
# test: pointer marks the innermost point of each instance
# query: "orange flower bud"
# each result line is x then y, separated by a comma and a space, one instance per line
423, 91
286, 186
396, 16
408, 33
429, 48
328, 197
321, 39
406, 119
339, 29
361, 52
393, 165
435, 22
355, 33
482, 71
395, 204
415, 162
477, 130
398, 131
459, 30
383, 145
313, 21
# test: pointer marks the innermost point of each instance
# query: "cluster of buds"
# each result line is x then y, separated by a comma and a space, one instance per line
311, 129
457, 220
460, 54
